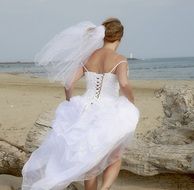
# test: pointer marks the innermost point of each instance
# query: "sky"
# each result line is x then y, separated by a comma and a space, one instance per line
153, 28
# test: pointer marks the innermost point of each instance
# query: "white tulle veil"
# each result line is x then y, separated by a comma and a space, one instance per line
63, 55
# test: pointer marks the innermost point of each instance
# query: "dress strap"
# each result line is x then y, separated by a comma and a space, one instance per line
84, 67
117, 65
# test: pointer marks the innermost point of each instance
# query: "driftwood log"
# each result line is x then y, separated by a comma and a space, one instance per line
169, 148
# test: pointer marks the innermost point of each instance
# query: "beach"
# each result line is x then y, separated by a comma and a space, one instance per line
23, 98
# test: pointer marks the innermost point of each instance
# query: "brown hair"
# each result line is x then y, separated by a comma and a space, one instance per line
113, 29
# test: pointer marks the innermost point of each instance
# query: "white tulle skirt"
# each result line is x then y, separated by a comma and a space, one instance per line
82, 142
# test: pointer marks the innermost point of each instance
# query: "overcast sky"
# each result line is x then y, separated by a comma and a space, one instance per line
153, 28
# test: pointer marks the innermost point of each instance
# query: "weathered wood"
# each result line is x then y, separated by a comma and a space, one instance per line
170, 146
12, 158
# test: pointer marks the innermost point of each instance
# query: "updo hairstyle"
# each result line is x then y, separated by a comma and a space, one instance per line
113, 30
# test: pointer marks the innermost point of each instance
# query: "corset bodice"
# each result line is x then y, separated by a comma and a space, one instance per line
99, 86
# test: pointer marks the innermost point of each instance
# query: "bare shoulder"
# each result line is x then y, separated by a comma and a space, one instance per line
120, 57
122, 65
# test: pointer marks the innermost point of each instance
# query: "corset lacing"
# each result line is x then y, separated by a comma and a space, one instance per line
98, 87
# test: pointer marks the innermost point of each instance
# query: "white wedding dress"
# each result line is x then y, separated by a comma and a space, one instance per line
88, 133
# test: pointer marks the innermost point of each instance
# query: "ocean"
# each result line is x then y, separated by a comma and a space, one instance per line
145, 69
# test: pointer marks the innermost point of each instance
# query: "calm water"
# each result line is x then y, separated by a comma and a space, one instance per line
156, 68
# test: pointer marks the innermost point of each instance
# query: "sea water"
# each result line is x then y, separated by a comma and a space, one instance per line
143, 69
162, 68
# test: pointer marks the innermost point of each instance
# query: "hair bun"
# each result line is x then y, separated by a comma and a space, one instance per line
113, 29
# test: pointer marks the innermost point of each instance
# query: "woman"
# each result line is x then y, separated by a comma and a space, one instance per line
90, 131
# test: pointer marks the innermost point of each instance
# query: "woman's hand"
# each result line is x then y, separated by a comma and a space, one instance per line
68, 93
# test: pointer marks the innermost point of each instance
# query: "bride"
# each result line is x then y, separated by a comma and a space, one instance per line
90, 131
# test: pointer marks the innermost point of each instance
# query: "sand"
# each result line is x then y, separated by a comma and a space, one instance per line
23, 98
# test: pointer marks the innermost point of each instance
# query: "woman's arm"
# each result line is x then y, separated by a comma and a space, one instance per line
78, 75
125, 86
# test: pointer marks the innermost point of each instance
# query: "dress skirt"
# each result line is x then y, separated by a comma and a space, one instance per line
85, 138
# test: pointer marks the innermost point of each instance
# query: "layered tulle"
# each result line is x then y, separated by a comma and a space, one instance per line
83, 141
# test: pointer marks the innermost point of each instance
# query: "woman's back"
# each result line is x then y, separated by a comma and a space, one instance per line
103, 60
101, 81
